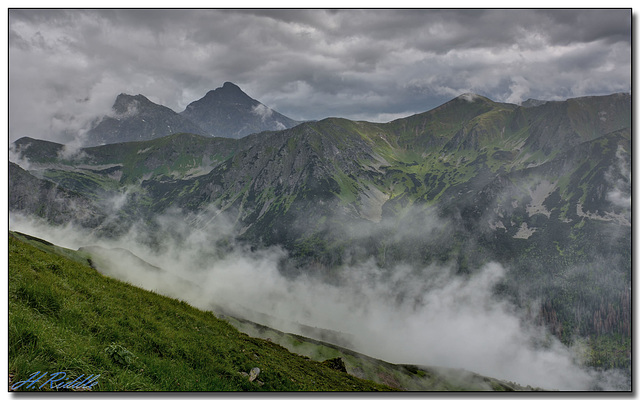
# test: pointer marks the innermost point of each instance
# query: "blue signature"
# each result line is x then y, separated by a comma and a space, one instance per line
54, 381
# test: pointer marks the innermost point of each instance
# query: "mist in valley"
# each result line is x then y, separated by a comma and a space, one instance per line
399, 312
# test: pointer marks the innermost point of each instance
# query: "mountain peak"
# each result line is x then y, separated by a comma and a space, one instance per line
125, 103
230, 85
228, 93
229, 112
129, 97
471, 97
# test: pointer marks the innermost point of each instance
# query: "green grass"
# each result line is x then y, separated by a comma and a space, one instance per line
65, 316
348, 188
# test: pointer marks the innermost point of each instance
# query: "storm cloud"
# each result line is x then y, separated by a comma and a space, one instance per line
66, 67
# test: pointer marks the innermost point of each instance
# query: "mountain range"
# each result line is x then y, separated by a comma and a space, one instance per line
543, 188
224, 112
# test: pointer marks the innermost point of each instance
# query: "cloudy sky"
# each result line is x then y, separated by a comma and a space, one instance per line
67, 67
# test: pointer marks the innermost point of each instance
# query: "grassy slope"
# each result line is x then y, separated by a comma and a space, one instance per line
63, 315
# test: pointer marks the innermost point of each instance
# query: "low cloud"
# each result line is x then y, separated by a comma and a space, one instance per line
519, 90
619, 175
469, 97
402, 313
73, 150
15, 156
262, 111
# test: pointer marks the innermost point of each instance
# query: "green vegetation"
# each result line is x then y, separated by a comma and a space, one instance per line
65, 316
610, 351
348, 188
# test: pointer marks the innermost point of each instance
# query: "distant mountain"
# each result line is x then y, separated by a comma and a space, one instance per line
229, 112
223, 112
136, 118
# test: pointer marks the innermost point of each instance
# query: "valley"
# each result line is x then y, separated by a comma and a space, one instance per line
516, 218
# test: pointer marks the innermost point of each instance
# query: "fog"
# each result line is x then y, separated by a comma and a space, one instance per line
415, 314
619, 176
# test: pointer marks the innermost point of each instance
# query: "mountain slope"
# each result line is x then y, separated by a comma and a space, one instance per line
47, 200
166, 345
229, 112
359, 170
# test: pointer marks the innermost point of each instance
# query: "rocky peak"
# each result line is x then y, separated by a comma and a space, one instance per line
229, 93
229, 112
126, 103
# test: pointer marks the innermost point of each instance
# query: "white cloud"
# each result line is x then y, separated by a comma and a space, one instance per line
620, 177
262, 111
469, 97
519, 88
15, 156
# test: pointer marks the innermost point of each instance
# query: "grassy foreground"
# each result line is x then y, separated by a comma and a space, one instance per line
66, 317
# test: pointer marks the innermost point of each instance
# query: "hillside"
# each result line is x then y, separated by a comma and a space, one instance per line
65, 316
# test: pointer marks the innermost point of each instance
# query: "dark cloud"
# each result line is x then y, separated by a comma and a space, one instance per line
67, 66
569, 26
